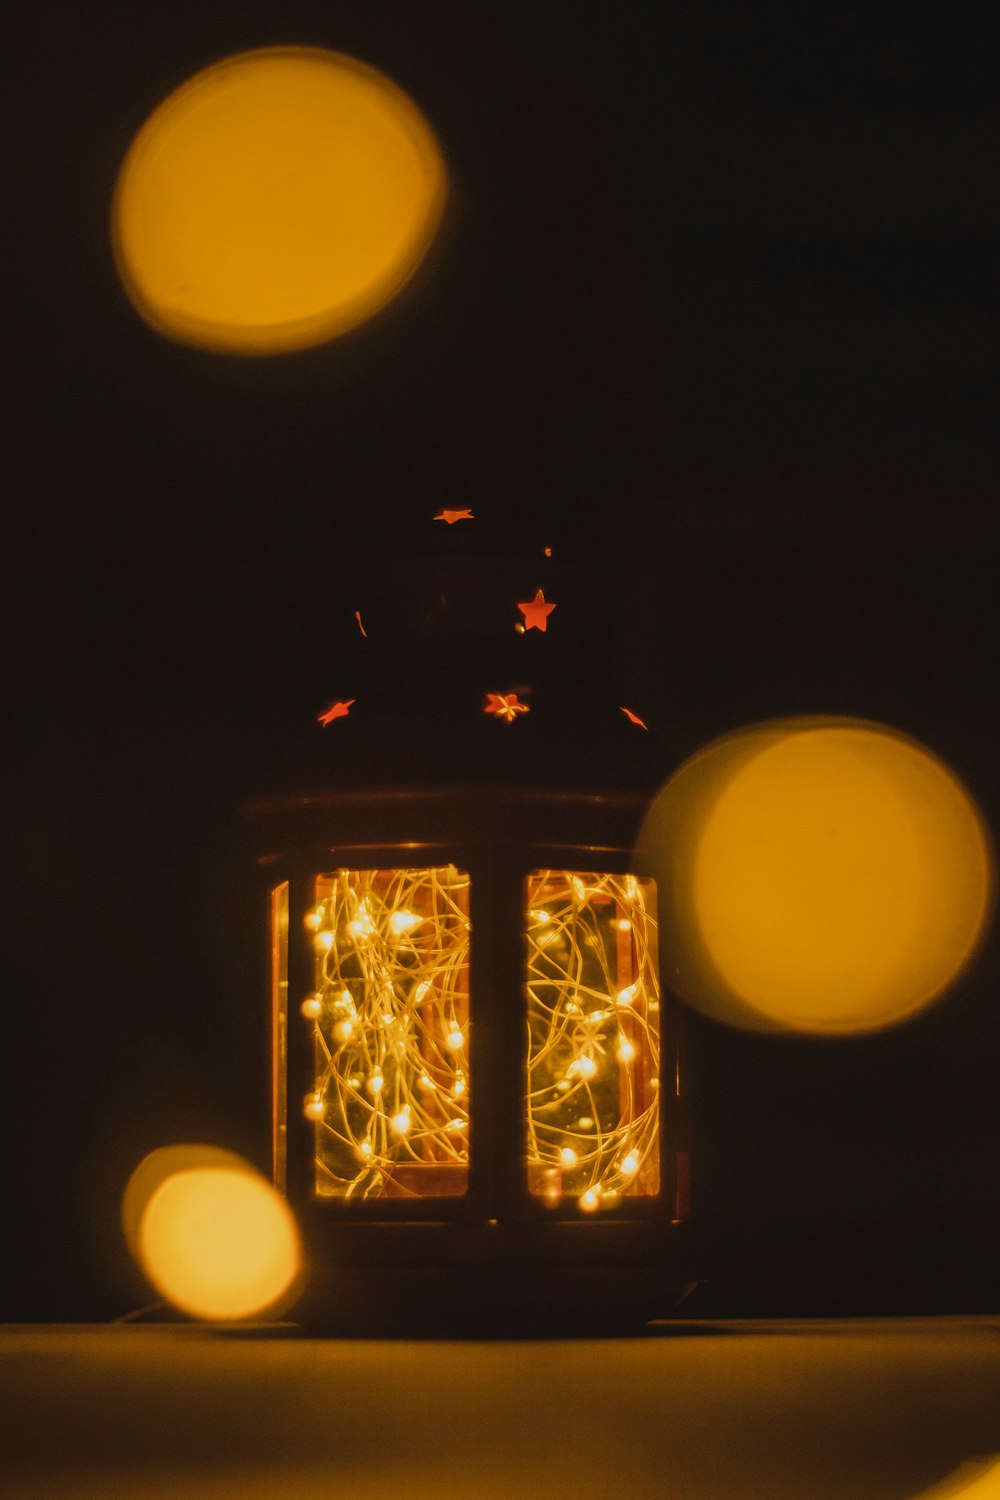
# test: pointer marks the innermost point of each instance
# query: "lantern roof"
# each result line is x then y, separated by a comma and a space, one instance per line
461, 654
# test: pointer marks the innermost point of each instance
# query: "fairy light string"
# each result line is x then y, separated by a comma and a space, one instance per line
390, 1018
593, 1037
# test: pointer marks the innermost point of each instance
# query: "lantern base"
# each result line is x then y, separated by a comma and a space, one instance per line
574, 1302
531, 1275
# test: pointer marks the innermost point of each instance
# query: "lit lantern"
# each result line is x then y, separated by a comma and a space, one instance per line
478, 1110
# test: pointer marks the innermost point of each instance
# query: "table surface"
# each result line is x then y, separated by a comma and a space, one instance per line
879, 1409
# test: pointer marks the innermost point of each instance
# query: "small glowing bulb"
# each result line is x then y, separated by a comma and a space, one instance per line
579, 889
563, 1085
421, 991
585, 1123
403, 921
315, 918
568, 1156
598, 1015
622, 924
365, 1150
626, 1051
571, 1008
589, 1201
314, 1109
456, 1038
654, 1083
426, 1083
454, 1126
628, 994
343, 1031
540, 916
631, 1164
375, 1083
400, 1123
346, 1003
631, 887
585, 1067
459, 1088
311, 1007
324, 941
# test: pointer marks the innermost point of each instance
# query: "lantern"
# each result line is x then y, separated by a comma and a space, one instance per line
478, 1111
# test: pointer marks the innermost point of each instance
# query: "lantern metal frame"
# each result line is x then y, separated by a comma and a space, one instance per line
497, 1255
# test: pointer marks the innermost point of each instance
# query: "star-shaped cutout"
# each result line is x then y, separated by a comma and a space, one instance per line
536, 612
634, 718
505, 706
335, 711
451, 516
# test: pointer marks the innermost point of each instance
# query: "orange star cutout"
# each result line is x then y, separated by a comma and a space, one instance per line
451, 516
335, 711
536, 613
634, 718
505, 706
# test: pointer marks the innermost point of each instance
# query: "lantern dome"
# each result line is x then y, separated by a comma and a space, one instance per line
440, 668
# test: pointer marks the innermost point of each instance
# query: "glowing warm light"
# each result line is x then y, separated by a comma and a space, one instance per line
385, 1048
634, 718
275, 200
451, 516
828, 876
536, 612
214, 1238
311, 1007
590, 1106
313, 1107
505, 706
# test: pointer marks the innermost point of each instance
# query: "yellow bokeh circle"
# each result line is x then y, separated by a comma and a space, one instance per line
211, 1234
275, 200
828, 876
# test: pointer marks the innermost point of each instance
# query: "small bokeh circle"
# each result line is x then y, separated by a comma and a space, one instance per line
211, 1234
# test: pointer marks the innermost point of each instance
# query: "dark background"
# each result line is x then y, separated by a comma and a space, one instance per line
714, 307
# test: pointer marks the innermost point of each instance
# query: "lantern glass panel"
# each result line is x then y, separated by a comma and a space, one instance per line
593, 1003
279, 1028
390, 1018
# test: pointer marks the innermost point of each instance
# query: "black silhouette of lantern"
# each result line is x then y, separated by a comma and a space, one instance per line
478, 1108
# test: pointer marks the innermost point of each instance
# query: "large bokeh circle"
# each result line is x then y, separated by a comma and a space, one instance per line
819, 875
275, 200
